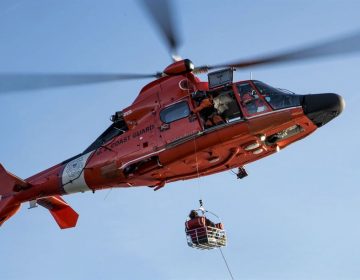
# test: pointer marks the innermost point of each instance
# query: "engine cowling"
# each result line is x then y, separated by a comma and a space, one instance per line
179, 67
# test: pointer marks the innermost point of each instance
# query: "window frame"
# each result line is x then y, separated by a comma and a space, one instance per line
279, 92
243, 107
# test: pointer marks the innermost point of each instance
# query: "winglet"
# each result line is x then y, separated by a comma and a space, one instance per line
63, 214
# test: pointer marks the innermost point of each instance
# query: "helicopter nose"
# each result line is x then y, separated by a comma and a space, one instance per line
322, 108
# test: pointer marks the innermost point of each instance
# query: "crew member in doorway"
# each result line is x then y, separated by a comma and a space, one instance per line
208, 112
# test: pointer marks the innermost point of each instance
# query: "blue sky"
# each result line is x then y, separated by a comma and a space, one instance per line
294, 217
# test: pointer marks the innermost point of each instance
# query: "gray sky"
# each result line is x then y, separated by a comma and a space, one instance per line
294, 217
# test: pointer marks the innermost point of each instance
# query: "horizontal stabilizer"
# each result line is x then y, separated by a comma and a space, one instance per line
63, 214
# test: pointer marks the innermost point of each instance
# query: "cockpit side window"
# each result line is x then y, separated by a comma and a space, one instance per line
175, 112
250, 100
277, 98
117, 128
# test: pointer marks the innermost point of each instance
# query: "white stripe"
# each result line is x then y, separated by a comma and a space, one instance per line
139, 158
73, 175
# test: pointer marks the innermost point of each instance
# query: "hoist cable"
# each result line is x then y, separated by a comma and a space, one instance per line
227, 266
108, 193
196, 161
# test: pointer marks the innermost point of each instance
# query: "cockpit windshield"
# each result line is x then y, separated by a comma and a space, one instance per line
278, 98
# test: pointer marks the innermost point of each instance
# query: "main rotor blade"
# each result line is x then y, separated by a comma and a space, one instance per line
342, 45
161, 12
10, 82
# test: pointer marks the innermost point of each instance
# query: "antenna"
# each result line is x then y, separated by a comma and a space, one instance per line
251, 76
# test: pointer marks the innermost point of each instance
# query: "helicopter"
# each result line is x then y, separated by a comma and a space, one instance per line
161, 138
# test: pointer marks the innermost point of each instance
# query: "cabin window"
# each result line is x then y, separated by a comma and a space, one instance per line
277, 98
175, 112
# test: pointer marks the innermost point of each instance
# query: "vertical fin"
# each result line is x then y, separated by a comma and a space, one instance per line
8, 207
9, 185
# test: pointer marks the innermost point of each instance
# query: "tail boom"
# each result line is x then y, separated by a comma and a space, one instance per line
14, 191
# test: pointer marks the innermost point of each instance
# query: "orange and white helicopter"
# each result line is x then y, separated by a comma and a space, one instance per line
178, 127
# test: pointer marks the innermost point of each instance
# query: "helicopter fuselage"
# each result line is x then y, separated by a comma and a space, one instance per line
162, 137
